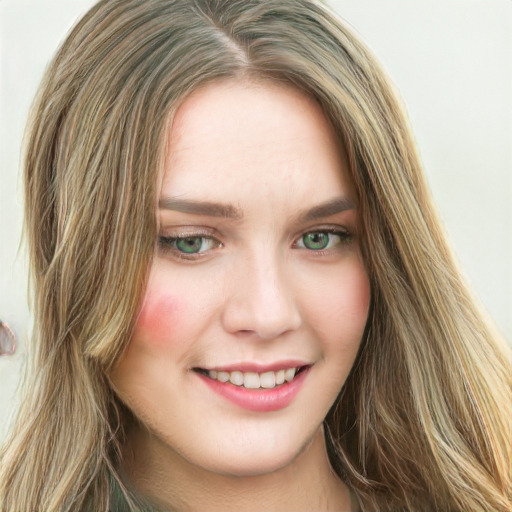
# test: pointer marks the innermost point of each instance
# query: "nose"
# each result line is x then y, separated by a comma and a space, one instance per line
260, 299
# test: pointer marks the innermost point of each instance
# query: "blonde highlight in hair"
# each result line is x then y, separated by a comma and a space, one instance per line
423, 421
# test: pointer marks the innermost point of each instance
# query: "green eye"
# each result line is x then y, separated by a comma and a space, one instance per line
190, 245
320, 240
316, 241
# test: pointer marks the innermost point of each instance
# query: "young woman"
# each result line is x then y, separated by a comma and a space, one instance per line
242, 296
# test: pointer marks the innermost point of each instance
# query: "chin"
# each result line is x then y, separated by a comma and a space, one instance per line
257, 460
251, 467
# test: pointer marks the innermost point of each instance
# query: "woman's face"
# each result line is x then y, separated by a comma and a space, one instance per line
257, 297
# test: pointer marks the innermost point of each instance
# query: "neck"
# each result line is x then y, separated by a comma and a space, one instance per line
307, 483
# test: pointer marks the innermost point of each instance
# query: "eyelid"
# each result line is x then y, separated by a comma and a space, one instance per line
334, 230
329, 228
187, 231
166, 243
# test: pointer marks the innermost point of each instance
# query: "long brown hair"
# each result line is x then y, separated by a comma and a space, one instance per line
423, 421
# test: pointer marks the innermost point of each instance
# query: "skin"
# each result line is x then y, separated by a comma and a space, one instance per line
255, 293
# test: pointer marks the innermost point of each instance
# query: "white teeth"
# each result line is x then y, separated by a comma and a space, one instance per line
223, 376
268, 380
289, 374
237, 378
253, 380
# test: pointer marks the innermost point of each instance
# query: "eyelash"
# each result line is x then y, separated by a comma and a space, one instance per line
169, 243
344, 236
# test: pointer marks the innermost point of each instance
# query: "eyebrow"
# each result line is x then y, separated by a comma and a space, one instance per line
208, 208
228, 211
331, 207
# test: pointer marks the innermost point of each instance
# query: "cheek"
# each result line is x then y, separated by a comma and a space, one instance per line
158, 323
355, 301
359, 294
341, 306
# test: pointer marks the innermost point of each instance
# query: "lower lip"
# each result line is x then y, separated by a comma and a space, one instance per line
259, 400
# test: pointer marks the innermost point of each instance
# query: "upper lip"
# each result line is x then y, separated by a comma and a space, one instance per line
258, 367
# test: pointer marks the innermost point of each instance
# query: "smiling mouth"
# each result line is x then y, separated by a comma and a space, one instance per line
254, 380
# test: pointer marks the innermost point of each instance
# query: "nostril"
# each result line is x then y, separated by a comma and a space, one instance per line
261, 304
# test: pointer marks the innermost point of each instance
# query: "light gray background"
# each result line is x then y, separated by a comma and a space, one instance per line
451, 61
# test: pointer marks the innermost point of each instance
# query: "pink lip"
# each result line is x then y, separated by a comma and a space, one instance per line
259, 400
259, 368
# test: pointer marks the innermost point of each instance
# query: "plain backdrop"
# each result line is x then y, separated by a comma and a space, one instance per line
451, 60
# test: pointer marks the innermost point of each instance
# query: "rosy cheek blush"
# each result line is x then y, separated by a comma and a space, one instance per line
158, 320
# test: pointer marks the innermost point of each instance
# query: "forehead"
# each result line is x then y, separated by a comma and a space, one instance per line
247, 134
